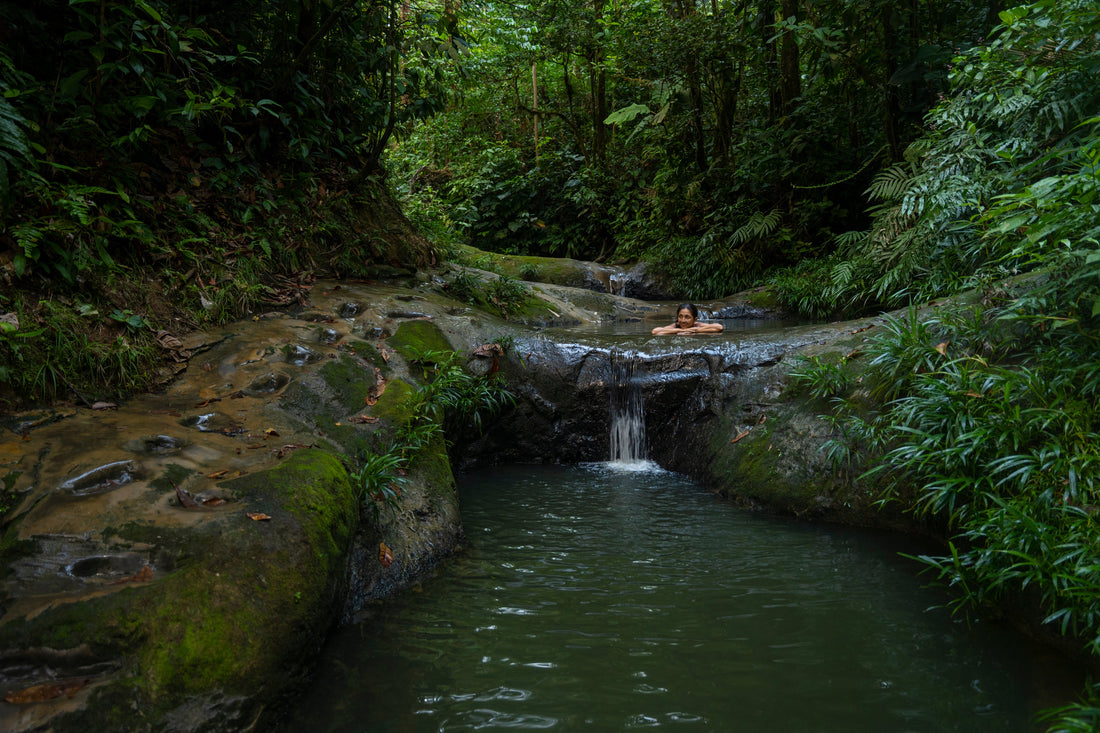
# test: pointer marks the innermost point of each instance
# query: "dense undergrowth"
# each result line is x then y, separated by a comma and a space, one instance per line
164, 166
988, 406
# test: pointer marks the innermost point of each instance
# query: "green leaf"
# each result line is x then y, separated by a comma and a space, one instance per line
626, 114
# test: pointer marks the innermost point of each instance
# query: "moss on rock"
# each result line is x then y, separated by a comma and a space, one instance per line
243, 612
414, 338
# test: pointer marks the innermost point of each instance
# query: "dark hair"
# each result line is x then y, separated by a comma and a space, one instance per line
691, 308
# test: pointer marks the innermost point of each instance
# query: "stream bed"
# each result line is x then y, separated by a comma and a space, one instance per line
605, 599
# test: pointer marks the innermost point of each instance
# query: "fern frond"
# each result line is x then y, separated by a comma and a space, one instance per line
891, 183
758, 225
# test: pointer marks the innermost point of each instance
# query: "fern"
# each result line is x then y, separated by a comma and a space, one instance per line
758, 225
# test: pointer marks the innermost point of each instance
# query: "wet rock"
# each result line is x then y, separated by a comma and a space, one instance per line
268, 383
300, 355
639, 283
100, 479
105, 567
25, 422
213, 422
406, 314
328, 336
315, 317
349, 310
156, 445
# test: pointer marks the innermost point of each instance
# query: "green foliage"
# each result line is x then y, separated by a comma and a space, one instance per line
377, 481
503, 292
57, 355
1011, 151
150, 130
449, 400
821, 379
991, 414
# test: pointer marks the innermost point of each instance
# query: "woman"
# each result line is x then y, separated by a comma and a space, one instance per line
687, 321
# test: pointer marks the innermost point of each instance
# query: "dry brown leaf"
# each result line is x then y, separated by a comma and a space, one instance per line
204, 403
185, 499
218, 474
489, 350
378, 388
49, 691
257, 516
271, 433
942, 348
385, 555
213, 501
360, 419
740, 435
168, 341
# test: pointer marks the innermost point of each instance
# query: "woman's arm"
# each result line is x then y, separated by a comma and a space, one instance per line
666, 330
707, 328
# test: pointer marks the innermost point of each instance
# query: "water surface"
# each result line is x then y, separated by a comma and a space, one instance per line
600, 599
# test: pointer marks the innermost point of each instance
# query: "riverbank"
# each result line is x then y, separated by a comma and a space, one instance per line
231, 495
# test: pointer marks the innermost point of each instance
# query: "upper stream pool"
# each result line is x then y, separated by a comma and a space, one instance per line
601, 599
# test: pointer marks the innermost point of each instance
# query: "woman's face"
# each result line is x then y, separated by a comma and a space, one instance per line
684, 319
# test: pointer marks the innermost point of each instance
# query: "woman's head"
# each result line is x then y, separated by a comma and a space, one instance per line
686, 315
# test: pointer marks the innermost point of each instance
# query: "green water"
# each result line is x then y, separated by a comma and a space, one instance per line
590, 598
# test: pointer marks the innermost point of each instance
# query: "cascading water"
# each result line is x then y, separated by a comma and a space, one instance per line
627, 415
616, 283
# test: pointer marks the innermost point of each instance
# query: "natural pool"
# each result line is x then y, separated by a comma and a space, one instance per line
605, 599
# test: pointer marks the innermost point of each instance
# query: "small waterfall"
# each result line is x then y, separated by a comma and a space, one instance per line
616, 283
627, 415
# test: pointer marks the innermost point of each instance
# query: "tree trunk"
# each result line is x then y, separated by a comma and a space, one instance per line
790, 70
891, 108
598, 85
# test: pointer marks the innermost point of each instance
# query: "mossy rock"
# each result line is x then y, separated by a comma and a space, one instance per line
414, 338
234, 626
552, 270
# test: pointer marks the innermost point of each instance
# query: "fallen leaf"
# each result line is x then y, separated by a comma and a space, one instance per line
204, 403
489, 350
185, 499
49, 691
213, 501
168, 341
257, 516
271, 433
861, 330
942, 348
280, 452
385, 555
740, 435
236, 395
378, 388
360, 419
218, 474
